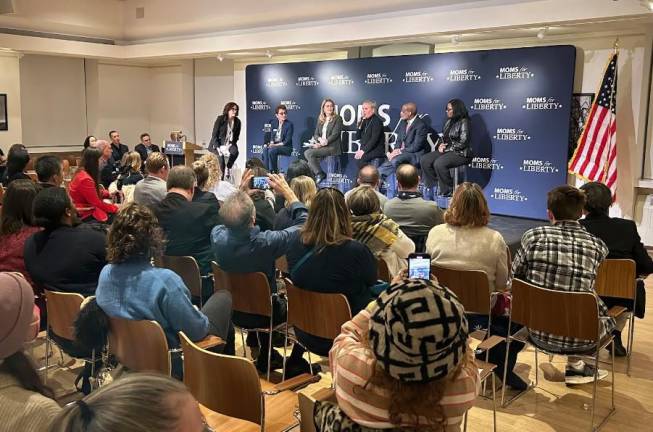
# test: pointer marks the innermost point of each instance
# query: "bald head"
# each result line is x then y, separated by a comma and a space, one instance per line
408, 111
368, 175
407, 177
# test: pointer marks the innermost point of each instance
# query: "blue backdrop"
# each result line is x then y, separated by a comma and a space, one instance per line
518, 100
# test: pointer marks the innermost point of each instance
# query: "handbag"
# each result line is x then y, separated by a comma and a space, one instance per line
501, 305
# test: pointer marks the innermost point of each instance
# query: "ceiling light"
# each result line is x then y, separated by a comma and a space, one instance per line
268, 54
650, 5
220, 58
542, 33
455, 39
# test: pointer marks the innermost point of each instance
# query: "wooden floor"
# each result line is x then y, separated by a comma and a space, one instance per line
551, 407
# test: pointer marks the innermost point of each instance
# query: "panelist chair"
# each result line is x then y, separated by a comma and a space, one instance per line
565, 314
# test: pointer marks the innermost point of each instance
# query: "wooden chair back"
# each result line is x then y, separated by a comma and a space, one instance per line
470, 286
317, 314
226, 384
616, 278
2, 193
139, 345
250, 293
220, 278
307, 403
562, 313
186, 267
63, 309
383, 271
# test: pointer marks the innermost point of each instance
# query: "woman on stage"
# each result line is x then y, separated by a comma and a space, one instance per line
452, 150
326, 138
224, 139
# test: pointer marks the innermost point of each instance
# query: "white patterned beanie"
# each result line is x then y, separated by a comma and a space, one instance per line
418, 331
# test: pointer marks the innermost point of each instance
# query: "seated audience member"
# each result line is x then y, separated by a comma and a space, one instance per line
26, 404
465, 242
118, 149
3, 165
305, 190
66, 256
17, 160
199, 193
17, 225
89, 141
415, 363
131, 288
109, 167
49, 171
295, 169
214, 183
136, 402
145, 148
564, 257
379, 233
153, 188
86, 192
130, 173
324, 258
368, 176
187, 224
415, 215
263, 202
623, 242
241, 247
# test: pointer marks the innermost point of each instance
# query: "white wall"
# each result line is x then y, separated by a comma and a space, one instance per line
53, 101
214, 87
10, 85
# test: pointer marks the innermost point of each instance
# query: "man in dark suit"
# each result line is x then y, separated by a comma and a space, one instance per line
117, 148
187, 224
411, 141
370, 135
279, 140
145, 148
623, 242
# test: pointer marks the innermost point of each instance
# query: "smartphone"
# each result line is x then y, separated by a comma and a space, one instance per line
259, 183
419, 266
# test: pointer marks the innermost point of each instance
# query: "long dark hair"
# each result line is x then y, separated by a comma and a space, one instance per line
87, 141
459, 110
91, 164
227, 107
17, 159
17, 206
19, 366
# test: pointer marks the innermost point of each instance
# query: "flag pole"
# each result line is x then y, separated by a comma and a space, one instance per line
616, 69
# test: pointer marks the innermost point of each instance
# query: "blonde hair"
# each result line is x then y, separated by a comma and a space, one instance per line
322, 117
215, 172
329, 221
133, 160
304, 189
468, 207
135, 403
363, 201
155, 162
201, 173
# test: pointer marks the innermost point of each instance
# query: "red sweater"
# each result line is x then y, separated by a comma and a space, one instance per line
11, 252
84, 195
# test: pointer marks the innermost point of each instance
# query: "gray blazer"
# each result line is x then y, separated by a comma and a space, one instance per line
150, 191
334, 128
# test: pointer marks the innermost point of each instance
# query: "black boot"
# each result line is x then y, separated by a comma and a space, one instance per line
619, 349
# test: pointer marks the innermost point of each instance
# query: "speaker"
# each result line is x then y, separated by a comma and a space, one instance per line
6, 6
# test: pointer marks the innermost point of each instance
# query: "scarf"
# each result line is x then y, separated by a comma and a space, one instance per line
376, 231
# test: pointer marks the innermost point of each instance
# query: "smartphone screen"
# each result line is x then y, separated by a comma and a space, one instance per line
419, 266
260, 183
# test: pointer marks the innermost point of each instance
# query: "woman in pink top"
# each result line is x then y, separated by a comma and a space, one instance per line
85, 191
403, 362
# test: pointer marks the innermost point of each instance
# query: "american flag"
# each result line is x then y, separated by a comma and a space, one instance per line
595, 158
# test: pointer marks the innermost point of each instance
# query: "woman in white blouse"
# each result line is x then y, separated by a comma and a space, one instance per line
465, 242
326, 138
220, 188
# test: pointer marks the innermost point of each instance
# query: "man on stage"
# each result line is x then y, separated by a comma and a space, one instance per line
411, 141
370, 135
279, 140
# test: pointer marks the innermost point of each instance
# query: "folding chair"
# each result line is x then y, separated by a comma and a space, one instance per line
561, 313
186, 267
383, 270
618, 278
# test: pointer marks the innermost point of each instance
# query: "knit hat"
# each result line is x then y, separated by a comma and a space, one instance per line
418, 331
16, 311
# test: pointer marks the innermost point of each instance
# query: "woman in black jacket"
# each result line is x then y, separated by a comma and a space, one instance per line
452, 150
224, 139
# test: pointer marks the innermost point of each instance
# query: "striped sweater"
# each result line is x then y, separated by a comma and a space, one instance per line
352, 365
24, 410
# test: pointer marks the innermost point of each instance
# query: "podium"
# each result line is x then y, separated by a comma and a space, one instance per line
189, 152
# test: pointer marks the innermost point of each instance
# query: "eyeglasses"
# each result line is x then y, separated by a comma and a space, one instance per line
282, 113
448, 109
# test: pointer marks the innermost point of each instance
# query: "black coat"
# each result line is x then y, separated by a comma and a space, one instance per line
142, 150
457, 138
118, 152
371, 137
187, 227
220, 131
205, 197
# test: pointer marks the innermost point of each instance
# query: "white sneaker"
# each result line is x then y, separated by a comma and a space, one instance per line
583, 374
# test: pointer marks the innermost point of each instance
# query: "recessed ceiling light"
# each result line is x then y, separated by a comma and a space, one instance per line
220, 58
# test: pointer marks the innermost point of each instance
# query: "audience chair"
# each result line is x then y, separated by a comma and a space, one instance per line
2, 193
418, 239
62, 311
186, 267
220, 278
317, 314
281, 265
142, 346
618, 278
307, 407
230, 385
251, 294
563, 313
383, 271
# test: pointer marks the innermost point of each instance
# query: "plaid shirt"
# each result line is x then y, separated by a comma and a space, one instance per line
562, 257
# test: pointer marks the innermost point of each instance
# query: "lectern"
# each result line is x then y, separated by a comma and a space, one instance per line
189, 152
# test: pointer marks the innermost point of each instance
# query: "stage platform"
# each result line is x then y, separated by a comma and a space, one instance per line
512, 228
